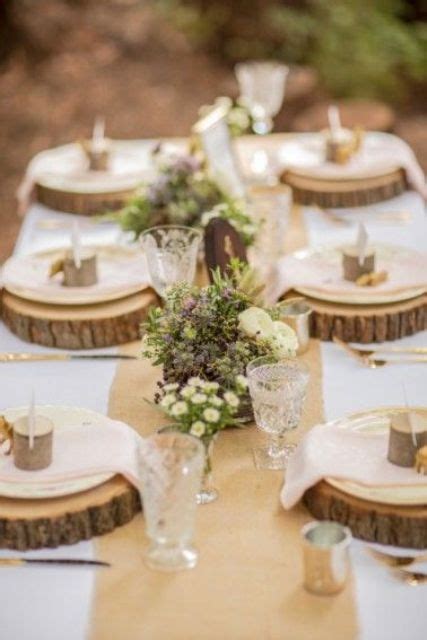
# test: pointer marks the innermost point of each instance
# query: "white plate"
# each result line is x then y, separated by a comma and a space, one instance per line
121, 272
62, 416
369, 295
374, 422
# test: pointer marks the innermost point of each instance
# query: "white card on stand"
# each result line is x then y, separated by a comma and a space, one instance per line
215, 139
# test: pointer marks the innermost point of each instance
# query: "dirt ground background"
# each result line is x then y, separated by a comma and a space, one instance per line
81, 59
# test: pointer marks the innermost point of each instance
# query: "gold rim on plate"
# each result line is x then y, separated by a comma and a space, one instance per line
62, 416
369, 297
75, 295
376, 421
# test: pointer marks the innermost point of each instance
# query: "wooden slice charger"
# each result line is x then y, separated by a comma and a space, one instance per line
355, 192
77, 327
84, 204
368, 323
33, 524
401, 526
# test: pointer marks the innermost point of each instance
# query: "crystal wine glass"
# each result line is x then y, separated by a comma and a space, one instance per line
171, 466
262, 88
171, 253
278, 391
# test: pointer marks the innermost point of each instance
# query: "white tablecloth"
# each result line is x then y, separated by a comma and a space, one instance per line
54, 604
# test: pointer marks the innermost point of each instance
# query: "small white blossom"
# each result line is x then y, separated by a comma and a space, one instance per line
211, 415
179, 408
242, 381
195, 381
167, 400
198, 428
211, 386
199, 398
231, 399
217, 402
187, 392
172, 386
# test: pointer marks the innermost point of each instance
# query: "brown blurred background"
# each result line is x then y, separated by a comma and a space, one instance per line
149, 65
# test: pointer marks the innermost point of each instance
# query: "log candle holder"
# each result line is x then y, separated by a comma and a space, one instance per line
39, 456
352, 268
408, 433
83, 275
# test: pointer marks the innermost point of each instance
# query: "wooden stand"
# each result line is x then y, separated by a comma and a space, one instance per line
32, 524
368, 323
386, 524
77, 327
357, 192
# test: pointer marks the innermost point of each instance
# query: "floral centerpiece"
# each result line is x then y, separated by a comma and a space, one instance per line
182, 194
213, 332
203, 409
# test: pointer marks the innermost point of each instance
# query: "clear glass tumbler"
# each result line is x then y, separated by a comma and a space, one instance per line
171, 252
171, 467
278, 391
262, 87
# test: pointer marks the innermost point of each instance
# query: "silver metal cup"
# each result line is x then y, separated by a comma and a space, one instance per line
296, 313
326, 557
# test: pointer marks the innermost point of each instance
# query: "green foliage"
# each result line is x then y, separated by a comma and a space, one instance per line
359, 47
196, 333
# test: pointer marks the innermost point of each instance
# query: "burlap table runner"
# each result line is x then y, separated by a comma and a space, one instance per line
248, 582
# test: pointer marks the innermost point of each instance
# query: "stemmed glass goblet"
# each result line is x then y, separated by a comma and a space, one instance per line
171, 252
278, 391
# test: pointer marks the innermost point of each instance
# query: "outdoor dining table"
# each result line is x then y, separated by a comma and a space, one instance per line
59, 603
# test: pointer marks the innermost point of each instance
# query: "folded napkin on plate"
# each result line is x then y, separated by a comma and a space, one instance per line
318, 272
335, 452
81, 451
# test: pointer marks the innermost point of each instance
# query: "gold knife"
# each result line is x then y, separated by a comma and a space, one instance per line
17, 562
34, 357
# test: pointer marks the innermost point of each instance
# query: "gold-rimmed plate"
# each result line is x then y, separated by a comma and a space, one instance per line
61, 416
330, 258
121, 272
376, 422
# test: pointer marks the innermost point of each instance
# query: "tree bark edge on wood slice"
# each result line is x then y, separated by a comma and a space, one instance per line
77, 327
21, 529
401, 526
366, 324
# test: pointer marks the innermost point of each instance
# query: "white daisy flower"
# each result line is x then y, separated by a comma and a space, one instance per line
242, 381
167, 400
231, 399
199, 398
187, 392
172, 386
211, 386
195, 381
198, 428
217, 402
179, 408
211, 415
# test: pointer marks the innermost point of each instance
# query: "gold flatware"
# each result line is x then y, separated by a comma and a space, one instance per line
413, 578
396, 561
35, 357
375, 363
396, 217
72, 562
380, 349
48, 224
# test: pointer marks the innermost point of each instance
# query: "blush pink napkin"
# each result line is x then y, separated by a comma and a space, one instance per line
81, 451
319, 272
329, 451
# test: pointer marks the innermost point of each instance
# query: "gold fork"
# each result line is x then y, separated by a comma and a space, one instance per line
413, 578
396, 561
364, 356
